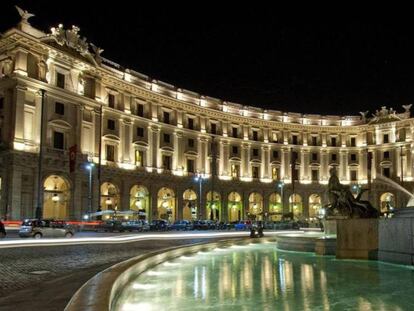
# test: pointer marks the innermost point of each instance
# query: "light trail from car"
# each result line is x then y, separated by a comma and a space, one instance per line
128, 238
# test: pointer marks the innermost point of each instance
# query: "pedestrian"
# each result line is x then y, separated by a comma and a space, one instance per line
2, 230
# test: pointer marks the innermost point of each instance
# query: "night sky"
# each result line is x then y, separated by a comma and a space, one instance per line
263, 59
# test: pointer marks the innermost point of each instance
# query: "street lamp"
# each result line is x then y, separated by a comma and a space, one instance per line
280, 185
90, 167
199, 178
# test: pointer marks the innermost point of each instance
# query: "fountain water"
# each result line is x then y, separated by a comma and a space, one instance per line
398, 187
408, 211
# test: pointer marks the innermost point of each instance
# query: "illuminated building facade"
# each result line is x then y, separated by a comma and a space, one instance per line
154, 139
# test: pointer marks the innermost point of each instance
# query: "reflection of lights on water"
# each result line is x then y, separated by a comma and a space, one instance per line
170, 264
203, 283
237, 246
143, 286
155, 273
187, 257
217, 249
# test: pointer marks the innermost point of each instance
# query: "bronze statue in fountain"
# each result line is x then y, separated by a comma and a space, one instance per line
343, 203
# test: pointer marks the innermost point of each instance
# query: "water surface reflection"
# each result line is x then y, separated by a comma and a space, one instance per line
258, 277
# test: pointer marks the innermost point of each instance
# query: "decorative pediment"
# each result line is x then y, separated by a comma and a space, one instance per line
384, 116
71, 38
112, 137
61, 124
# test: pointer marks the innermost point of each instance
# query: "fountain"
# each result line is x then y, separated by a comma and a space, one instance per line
407, 211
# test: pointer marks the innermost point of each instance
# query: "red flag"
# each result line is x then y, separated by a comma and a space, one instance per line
72, 158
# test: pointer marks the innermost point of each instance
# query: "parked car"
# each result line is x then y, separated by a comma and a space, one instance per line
242, 225
135, 225
182, 225
110, 226
159, 225
48, 228
201, 225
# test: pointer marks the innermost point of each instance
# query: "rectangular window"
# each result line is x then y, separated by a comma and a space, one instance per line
235, 150
275, 154
1, 103
315, 175
314, 140
255, 152
255, 136
386, 154
190, 166
234, 132
111, 124
235, 170
386, 139
59, 108
314, 156
167, 138
58, 140
191, 124
295, 174
166, 117
111, 100
60, 80
191, 143
294, 139
166, 162
333, 157
139, 158
353, 157
255, 171
354, 175
140, 110
213, 128
333, 141
110, 153
140, 131
353, 142
386, 172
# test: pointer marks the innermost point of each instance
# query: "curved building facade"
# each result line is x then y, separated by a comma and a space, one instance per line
166, 152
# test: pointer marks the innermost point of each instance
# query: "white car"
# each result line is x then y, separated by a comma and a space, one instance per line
45, 228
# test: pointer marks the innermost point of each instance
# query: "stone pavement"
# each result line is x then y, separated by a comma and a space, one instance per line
45, 278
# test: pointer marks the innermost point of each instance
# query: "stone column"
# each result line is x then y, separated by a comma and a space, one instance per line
226, 157
15, 193
154, 111
285, 165
245, 159
343, 171
126, 141
324, 172
178, 157
362, 159
20, 62
154, 146
304, 165
266, 172
19, 100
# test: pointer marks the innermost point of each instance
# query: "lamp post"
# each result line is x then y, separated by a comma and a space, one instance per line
90, 167
199, 178
280, 185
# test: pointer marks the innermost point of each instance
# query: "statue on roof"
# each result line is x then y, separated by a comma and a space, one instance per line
24, 14
98, 51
